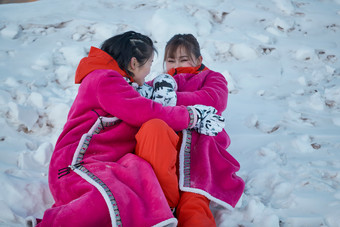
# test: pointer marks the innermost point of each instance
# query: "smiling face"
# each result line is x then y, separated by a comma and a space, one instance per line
181, 58
140, 71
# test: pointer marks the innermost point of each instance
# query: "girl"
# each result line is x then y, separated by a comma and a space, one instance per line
206, 170
94, 177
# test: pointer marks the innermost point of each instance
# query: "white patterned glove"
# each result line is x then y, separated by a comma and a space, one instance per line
205, 120
145, 90
165, 88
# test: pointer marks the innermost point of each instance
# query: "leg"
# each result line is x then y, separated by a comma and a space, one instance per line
156, 143
193, 210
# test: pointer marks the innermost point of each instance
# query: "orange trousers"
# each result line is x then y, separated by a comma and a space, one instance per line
158, 144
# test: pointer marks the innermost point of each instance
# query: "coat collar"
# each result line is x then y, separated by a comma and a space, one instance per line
191, 70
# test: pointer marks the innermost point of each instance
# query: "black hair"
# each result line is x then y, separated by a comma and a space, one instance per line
125, 46
187, 41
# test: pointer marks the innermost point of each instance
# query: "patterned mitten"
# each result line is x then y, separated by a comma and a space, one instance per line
165, 90
205, 120
145, 90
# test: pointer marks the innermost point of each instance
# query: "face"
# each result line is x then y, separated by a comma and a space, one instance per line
182, 59
140, 71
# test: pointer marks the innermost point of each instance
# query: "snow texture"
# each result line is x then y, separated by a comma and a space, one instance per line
281, 58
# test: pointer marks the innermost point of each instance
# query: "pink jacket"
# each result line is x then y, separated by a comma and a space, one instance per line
101, 182
205, 165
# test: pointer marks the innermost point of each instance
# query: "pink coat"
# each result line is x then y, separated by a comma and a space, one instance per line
205, 165
111, 186
95, 178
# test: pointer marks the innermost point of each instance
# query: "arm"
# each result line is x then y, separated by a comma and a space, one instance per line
213, 92
118, 98
207, 122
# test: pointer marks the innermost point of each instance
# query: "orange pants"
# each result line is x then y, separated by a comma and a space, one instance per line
158, 144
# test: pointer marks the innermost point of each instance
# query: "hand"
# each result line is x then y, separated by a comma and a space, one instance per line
145, 90
164, 80
165, 90
205, 120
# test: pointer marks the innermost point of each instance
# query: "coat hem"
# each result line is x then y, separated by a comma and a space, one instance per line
206, 194
112, 213
169, 223
184, 171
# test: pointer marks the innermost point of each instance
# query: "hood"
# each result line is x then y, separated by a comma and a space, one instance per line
97, 59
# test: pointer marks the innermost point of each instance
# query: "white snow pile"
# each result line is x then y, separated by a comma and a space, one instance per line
282, 61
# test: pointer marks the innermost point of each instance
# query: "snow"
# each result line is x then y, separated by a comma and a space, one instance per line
281, 58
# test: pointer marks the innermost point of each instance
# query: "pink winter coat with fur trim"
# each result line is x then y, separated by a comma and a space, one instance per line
205, 165
106, 184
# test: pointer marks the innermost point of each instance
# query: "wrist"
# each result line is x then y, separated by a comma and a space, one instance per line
192, 117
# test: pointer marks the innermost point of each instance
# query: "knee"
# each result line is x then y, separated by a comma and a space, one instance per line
154, 126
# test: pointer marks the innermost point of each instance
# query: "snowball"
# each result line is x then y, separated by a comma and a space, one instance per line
303, 144
36, 99
230, 80
11, 31
103, 31
23, 114
222, 47
292, 115
285, 6
274, 31
28, 116
262, 38
243, 52
330, 69
261, 92
4, 97
333, 94
305, 54
76, 36
39, 158
302, 80
63, 73
281, 24
252, 121
11, 82
267, 153
43, 154
203, 24
72, 54
43, 62
281, 195
316, 102
254, 209
83, 33
57, 113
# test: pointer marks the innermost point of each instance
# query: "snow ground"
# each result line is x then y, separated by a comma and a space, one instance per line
280, 57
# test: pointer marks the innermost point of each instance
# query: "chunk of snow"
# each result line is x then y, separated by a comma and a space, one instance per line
242, 51
23, 114
11, 31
